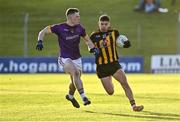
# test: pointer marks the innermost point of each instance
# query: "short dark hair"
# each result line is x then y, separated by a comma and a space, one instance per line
71, 11
104, 18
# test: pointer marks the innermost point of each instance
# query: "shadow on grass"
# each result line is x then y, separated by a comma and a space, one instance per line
161, 114
159, 98
149, 115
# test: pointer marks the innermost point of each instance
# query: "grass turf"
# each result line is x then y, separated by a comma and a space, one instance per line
40, 97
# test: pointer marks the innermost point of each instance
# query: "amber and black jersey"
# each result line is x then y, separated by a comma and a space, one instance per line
106, 43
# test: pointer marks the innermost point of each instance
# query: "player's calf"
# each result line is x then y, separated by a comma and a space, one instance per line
110, 91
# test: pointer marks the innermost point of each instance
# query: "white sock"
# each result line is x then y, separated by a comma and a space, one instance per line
70, 96
82, 96
133, 106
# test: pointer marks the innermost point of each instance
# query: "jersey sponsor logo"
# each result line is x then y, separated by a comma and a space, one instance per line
72, 37
66, 30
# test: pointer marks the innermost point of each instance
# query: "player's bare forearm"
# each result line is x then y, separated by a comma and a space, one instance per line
88, 42
43, 32
41, 35
92, 48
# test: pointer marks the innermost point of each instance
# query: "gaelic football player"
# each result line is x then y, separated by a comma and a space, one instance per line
107, 61
69, 34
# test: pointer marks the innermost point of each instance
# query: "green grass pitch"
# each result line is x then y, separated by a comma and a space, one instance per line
41, 97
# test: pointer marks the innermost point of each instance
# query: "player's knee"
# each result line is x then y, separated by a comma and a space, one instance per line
110, 92
75, 72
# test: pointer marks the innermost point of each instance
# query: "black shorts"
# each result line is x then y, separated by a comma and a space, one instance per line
105, 70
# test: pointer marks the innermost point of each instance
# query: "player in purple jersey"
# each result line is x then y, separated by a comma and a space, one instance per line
69, 34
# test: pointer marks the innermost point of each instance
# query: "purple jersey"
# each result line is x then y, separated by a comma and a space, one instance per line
69, 39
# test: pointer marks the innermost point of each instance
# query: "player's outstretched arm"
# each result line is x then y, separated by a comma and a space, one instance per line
91, 47
88, 42
41, 35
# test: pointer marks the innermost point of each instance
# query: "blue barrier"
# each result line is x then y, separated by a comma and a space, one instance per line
50, 65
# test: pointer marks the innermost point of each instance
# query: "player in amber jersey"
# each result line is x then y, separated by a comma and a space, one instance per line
107, 61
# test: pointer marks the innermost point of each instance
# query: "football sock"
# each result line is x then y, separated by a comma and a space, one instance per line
70, 96
133, 103
71, 92
82, 94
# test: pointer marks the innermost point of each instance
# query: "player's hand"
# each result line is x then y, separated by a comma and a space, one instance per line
39, 45
127, 44
95, 51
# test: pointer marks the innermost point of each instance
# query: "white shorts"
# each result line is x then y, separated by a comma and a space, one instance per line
77, 63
